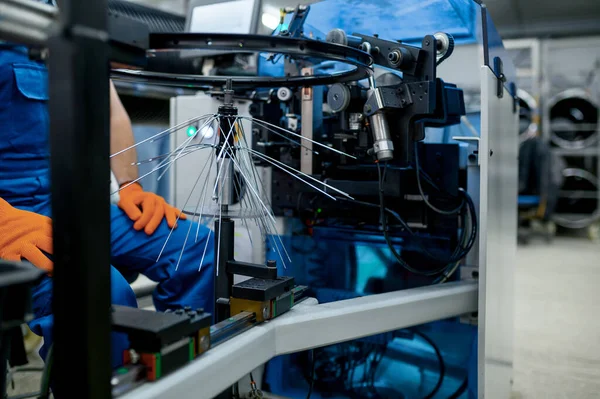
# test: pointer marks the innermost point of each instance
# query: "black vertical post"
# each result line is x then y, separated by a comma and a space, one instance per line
224, 242
224, 227
79, 141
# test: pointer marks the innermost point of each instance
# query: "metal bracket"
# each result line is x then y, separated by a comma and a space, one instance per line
473, 157
386, 98
296, 25
499, 71
399, 96
268, 272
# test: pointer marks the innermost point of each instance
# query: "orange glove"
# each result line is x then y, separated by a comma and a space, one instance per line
147, 210
24, 235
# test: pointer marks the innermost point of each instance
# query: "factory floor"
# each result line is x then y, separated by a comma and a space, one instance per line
557, 322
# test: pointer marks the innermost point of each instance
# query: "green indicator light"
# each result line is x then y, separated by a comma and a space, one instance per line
191, 131
319, 210
122, 370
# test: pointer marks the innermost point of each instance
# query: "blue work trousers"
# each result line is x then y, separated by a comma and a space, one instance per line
25, 184
134, 252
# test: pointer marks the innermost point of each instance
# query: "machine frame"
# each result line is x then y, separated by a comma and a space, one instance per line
80, 163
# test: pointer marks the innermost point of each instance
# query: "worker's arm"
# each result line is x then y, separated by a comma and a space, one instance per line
145, 209
121, 137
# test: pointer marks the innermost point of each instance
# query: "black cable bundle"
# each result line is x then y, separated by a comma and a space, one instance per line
448, 263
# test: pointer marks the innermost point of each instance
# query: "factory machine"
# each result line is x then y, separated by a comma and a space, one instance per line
364, 217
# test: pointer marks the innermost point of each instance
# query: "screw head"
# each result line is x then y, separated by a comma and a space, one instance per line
204, 343
368, 108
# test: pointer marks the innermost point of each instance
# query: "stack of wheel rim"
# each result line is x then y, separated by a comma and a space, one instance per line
573, 117
528, 115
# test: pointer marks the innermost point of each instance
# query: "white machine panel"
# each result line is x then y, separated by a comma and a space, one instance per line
497, 241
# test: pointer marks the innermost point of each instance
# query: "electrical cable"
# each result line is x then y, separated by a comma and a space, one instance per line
457, 255
442, 365
450, 272
375, 365
312, 374
431, 206
460, 390
388, 210
465, 250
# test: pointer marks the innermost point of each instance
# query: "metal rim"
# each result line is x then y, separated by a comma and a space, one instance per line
585, 220
574, 93
169, 42
533, 106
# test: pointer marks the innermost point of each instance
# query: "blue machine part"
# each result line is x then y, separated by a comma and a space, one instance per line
390, 18
339, 265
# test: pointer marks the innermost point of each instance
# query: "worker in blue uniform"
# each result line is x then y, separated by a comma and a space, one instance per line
140, 223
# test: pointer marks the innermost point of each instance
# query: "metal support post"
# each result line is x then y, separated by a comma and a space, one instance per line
224, 236
79, 140
306, 156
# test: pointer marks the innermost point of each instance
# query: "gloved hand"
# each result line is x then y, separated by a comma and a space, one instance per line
147, 210
24, 235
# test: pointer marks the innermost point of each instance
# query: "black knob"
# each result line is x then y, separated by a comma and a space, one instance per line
200, 310
187, 308
271, 263
179, 312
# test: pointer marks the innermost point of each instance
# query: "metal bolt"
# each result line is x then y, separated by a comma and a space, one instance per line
395, 57
427, 42
204, 343
133, 355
